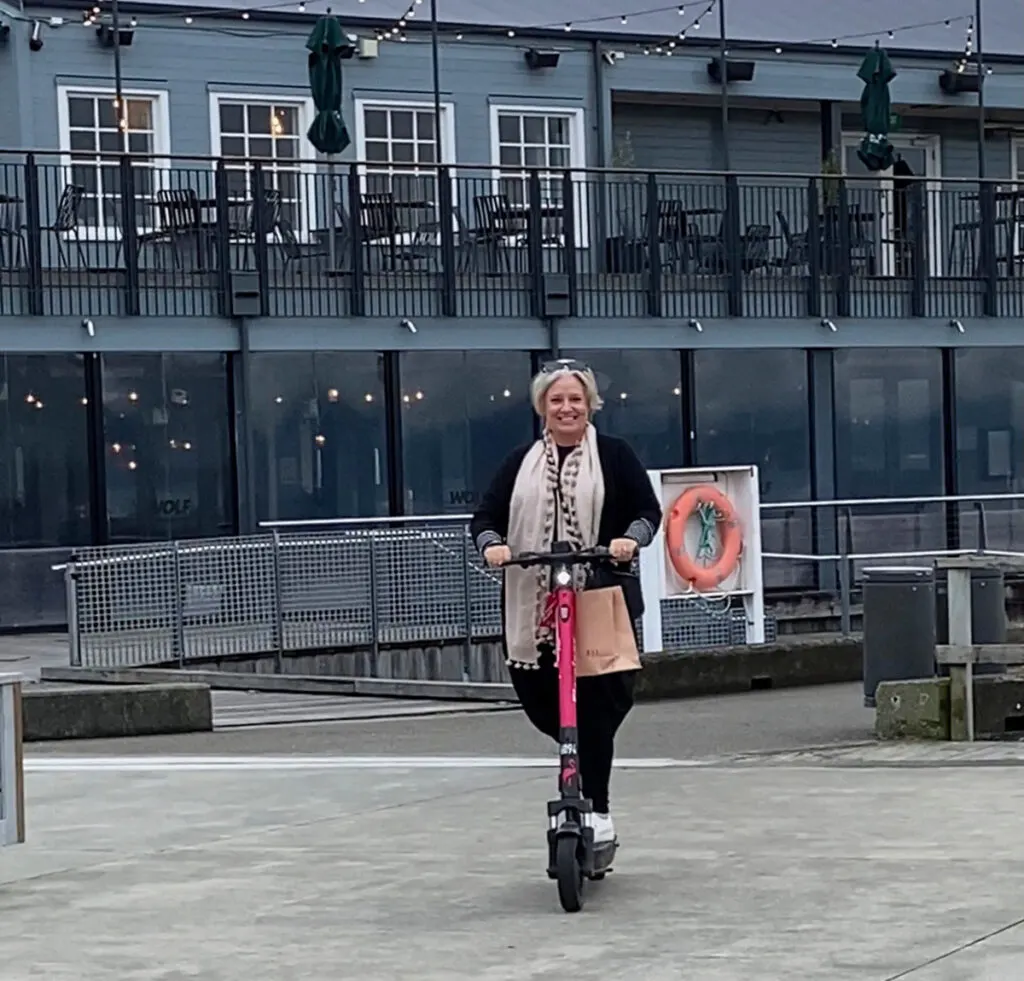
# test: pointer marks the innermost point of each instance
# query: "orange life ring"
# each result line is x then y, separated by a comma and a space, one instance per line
703, 577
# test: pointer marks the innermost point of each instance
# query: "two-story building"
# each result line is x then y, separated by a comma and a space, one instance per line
205, 324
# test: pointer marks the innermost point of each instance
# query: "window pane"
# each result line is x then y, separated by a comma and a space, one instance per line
105, 112
81, 112
508, 128
990, 442
642, 394
401, 124
319, 435
111, 141
259, 119
533, 129
166, 423
82, 139
462, 413
262, 148
510, 156
286, 121
139, 113
752, 407
232, 118
425, 125
377, 151
44, 470
558, 130
140, 143
375, 124
402, 153
232, 146
888, 419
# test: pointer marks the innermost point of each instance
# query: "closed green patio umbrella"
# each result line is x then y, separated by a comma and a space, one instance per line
876, 72
328, 132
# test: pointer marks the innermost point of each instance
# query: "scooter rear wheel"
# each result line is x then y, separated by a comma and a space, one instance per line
569, 875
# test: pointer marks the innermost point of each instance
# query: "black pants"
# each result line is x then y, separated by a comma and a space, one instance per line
602, 703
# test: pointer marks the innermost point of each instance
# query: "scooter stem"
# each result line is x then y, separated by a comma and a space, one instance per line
565, 627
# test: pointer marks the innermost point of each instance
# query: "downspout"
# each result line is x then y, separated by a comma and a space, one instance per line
602, 127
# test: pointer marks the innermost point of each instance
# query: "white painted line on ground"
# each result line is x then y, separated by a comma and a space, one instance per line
150, 764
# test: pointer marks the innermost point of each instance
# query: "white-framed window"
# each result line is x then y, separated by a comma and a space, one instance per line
398, 142
551, 138
270, 129
87, 123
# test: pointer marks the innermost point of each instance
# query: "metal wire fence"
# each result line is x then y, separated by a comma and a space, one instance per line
346, 588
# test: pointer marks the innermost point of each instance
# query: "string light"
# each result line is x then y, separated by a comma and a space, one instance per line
668, 46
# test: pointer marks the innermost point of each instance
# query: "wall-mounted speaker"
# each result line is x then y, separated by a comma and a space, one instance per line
541, 59
953, 83
735, 71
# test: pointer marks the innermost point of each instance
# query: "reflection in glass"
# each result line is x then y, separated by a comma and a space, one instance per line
319, 435
643, 401
888, 419
44, 468
167, 436
752, 407
462, 412
989, 403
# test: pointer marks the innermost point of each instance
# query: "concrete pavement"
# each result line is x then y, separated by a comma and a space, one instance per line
361, 850
729, 870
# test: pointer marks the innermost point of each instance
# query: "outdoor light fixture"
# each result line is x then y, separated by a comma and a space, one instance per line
408, 325
125, 35
696, 325
89, 327
35, 39
825, 322
957, 326
954, 83
735, 71
349, 48
5, 32
537, 58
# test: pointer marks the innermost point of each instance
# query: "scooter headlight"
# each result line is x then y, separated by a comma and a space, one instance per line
563, 577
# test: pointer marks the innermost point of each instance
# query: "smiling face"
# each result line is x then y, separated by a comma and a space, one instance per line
566, 412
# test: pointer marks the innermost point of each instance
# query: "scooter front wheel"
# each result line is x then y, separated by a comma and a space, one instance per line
569, 874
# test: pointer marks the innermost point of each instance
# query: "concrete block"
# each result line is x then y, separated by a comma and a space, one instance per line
916, 709
93, 712
789, 662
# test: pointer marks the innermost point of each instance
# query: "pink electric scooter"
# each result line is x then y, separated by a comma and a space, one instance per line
572, 854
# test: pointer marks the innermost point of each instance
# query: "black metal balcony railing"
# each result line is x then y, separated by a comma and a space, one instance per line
92, 236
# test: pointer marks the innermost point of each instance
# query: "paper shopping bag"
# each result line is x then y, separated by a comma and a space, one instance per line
605, 642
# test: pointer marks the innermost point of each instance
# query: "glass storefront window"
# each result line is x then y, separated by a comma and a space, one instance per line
643, 401
752, 407
989, 407
319, 435
167, 446
462, 412
889, 432
44, 461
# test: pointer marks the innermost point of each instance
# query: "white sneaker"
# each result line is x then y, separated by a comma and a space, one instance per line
604, 829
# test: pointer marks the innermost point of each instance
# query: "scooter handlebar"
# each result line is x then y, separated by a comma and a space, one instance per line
583, 556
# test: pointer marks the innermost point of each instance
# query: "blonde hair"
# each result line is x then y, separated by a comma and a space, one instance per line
545, 379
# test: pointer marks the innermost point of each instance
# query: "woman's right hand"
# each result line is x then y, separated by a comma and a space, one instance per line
497, 555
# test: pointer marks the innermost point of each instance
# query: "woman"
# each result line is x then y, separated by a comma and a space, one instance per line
588, 489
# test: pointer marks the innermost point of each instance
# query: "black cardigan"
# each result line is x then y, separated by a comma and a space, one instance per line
631, 508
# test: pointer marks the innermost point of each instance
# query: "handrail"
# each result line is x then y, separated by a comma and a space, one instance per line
490, 167
878, 501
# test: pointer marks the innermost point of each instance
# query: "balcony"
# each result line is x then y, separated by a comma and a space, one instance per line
131, 236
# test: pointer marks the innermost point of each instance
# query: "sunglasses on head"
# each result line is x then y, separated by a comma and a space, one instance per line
563, 364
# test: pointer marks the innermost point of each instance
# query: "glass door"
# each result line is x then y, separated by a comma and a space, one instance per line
881, 213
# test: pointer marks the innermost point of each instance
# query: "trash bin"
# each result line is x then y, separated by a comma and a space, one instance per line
899, 626
988, 613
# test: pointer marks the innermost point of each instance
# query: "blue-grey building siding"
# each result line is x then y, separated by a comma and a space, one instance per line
688, 385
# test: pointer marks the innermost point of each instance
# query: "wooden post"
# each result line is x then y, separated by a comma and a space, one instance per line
12, 768
961, 676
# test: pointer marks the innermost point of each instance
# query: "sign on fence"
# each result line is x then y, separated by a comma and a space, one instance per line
707, 549
12, 781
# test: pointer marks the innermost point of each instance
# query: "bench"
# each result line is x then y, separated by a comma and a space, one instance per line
961, 654
12, 771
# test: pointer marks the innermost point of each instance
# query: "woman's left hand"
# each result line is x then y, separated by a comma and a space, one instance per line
622, 549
